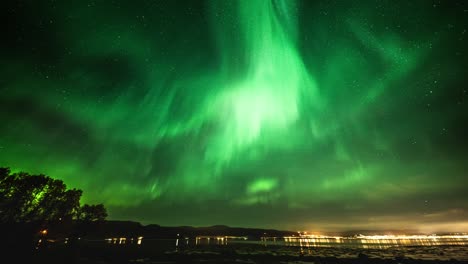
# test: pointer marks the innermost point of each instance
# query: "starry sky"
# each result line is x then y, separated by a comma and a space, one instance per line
299, 115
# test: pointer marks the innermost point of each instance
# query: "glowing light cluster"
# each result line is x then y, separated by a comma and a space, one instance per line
377, 241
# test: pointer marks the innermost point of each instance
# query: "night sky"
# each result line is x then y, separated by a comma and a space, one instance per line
314, 115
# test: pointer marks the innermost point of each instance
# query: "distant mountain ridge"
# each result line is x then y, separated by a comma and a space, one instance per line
136, 229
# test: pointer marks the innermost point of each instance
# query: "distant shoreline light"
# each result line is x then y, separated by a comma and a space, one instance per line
379, 237
376, 241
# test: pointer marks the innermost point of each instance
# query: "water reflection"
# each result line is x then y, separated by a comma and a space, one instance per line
122, 240
306, 241
217, 240
376, 242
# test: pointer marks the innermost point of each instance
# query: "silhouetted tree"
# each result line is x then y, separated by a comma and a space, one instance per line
4, 172
92, 212
33, 205
39, 198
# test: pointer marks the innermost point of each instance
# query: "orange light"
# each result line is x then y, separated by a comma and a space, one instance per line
44, 232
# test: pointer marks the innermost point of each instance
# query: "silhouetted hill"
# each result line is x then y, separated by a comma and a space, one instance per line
135, 229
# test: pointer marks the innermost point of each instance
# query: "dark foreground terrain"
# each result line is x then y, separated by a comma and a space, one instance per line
99, 253
130, 243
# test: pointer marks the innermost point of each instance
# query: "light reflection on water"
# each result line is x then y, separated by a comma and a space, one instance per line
369, 242
375, 242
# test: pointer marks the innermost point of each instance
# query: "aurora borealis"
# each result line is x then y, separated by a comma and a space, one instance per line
307, 115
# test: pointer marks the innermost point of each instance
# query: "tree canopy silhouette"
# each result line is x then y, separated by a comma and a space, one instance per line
30, 198
92, 212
